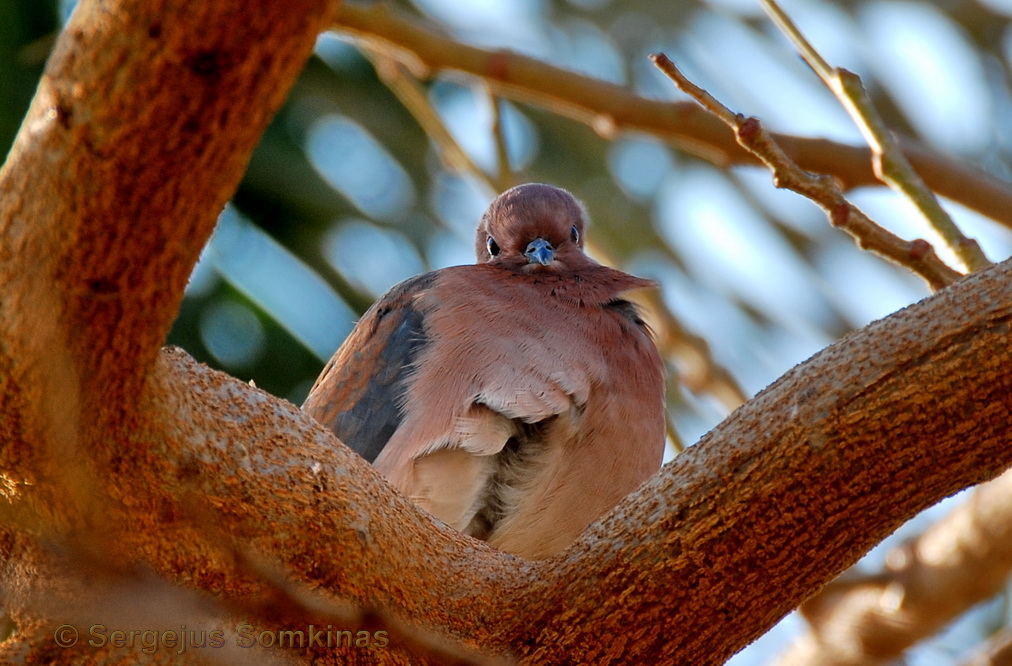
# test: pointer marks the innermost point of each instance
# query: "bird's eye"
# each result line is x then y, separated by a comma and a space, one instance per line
575, 234
493, 247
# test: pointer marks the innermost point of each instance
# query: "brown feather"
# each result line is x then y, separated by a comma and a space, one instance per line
530, 398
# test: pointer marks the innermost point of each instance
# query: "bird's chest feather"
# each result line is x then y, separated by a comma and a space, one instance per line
527, 347
508, 351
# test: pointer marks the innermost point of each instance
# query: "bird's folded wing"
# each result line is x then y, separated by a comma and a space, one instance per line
359, 394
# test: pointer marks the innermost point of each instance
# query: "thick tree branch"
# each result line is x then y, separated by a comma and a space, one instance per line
131, 85
139, 132
609, 108
796, 484
958, 562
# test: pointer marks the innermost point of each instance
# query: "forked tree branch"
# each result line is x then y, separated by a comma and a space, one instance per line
794, 487
214, 486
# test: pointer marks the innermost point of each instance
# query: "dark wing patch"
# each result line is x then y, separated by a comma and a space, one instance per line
360, 394
627, 310
368, 424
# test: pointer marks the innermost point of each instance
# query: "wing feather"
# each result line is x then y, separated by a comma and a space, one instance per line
360, 394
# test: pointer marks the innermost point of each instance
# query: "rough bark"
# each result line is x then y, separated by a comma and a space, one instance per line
142, 488
928, 581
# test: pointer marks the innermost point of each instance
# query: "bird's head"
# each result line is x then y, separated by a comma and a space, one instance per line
533, 227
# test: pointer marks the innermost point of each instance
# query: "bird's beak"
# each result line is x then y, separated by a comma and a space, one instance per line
540, 251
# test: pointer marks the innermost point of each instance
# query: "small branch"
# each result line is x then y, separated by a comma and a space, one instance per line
917, 255
414, 99
889, 162
606, 106
505, 170
407, 89
808, 52
697, 368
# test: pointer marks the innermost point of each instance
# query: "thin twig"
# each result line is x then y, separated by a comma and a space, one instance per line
599, 104
505, 170
917, 255
890, 164
414, 99
786, 26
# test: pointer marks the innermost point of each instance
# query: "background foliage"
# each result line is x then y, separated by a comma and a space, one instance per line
346, 194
